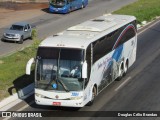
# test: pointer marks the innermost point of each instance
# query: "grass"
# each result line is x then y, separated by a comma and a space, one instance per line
143, 10
12, 70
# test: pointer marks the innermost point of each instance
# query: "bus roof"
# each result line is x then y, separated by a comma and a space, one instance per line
81, 35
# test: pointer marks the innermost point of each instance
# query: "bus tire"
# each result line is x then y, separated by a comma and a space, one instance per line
69, 11
125, 68
82, 6
94, 92
121, 70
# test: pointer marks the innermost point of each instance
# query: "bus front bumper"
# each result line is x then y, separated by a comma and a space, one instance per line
64, 103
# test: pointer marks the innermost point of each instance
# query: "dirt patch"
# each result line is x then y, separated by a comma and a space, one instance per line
20, 12
1, 62
23, 6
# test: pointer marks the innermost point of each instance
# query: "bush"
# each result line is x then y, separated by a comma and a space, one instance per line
34, 34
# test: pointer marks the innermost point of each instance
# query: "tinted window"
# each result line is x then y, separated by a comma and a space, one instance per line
104, 45
65, 54
130, 34
126, 33
71, 54
89, 60
48, 53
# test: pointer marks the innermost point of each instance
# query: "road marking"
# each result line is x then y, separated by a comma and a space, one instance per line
122, 84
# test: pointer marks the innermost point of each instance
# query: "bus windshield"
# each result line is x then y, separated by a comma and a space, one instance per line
58, 3
59, 69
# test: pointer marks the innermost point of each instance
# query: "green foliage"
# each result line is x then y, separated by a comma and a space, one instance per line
34, 34
36, 42
12, 69
143, 10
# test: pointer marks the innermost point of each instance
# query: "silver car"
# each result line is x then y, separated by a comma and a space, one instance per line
18, 32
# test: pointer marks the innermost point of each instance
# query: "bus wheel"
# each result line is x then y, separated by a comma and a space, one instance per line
125, 68
93, 96
121, 72
69, 10
82, 6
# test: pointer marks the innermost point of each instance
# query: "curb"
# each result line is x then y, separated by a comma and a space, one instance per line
16, 98
147, 24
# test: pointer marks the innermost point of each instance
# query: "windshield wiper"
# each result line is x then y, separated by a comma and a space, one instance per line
64, 86
49, 84
60, 81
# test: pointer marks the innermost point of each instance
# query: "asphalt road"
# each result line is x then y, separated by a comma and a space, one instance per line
50, 24
138, 91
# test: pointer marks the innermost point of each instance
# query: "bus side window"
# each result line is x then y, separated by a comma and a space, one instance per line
89, 60
103, 46
96, 51
130, 33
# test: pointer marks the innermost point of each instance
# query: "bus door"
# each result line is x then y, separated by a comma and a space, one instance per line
77, 3
73, 4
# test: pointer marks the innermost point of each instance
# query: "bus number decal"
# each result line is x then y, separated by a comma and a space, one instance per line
75, 94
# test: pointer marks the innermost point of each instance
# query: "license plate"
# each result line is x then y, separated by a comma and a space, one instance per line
57, 103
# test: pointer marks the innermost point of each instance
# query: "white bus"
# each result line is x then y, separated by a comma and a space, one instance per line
74, 66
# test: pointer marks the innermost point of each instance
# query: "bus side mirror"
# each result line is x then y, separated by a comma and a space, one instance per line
28, 66
84, 70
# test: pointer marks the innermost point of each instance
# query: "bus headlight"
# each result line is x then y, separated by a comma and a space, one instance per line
39, 95
75, 98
